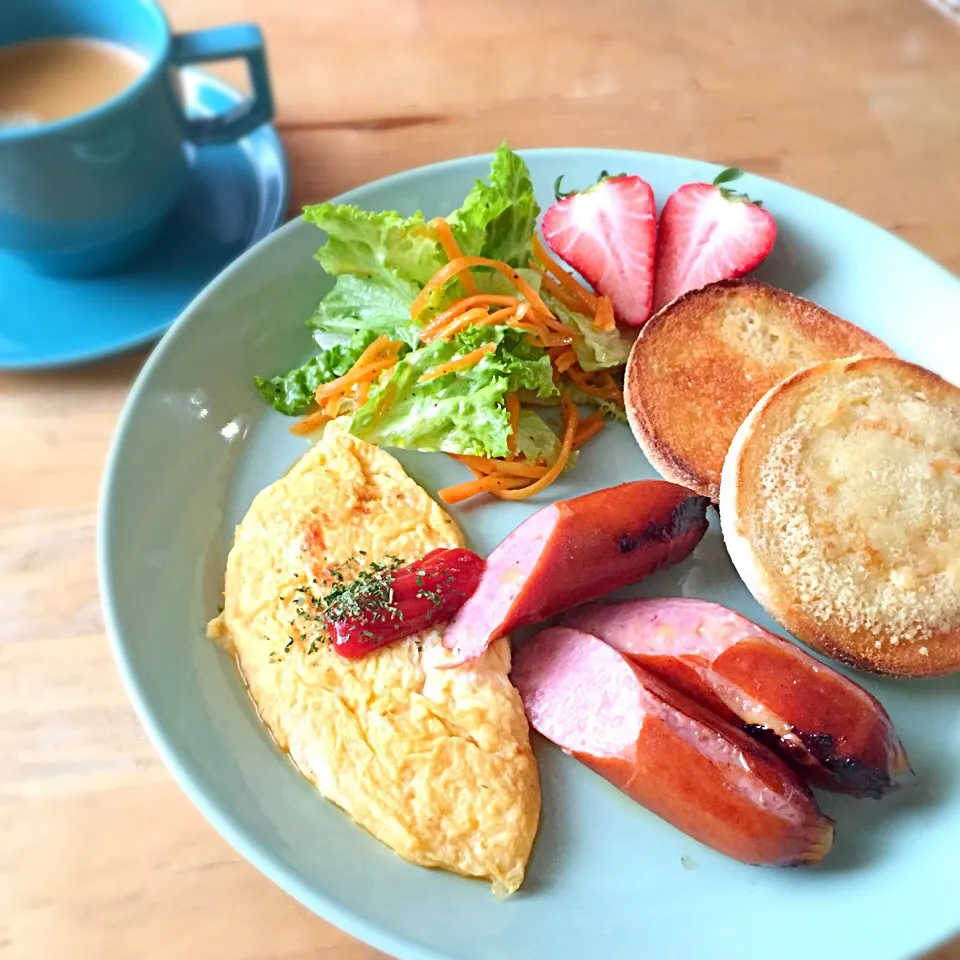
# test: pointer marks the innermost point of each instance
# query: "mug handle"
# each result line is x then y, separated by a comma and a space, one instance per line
226, 43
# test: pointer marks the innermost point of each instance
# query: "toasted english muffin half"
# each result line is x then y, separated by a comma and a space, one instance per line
840, 507
701, 364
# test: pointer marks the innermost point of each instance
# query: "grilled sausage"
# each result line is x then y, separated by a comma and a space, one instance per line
836, 734
574, 551
678, 760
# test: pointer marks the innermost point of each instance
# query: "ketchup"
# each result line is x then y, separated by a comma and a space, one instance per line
411, 599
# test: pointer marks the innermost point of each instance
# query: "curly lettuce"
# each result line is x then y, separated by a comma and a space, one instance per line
359, 305
461, 412
498, 217
597, 349
292, 392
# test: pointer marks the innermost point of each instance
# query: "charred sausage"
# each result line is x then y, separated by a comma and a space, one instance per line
836, 734
574, 551
673, 757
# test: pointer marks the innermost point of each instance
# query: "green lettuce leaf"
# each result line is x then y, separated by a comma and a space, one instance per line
526, 367
598, 349
359, 303
462, 412
535, 438
397, 251
292, 392
498, 217
386, 258
493, 281
583, 399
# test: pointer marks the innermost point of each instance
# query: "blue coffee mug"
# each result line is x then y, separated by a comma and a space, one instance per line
89, 192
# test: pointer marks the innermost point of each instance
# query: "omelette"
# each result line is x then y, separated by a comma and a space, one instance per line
436, 763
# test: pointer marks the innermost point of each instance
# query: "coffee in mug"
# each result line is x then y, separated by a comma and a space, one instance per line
95, 146
46, 80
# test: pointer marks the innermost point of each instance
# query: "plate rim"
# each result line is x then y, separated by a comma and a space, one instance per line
223, 821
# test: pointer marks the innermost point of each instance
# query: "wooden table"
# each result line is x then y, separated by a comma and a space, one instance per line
101, 856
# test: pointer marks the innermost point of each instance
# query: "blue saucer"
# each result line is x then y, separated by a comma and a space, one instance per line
235, 196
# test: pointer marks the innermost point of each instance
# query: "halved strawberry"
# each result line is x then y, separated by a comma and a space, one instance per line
608, 234
708, 232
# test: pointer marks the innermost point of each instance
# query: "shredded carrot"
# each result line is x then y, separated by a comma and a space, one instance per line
567, 299
552, 340
503, 316
599, 384
462, 306
477, 315
447, 240
582, 380
506, 479
523, 325
578, 291
569, 292
461, 265
498, 316
479, 319
571, 419
558, 326
379, 355
588, 428
463, 458
529, 294
488, 484
604, 319
565, 359
385, 399
373, 351
520, 468
478, 466
587, 434
513, 411
310, 423
467, 360
352, 376
555, 330
597, 416
609, 384
556, 339
503, 468
392, 349
362, 391
607, 391
545, 338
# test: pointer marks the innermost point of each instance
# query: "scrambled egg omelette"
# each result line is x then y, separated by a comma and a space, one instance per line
436, 763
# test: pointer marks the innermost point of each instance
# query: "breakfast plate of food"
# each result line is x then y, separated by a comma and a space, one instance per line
558, 554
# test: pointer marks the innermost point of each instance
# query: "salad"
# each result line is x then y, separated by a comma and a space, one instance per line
466, 335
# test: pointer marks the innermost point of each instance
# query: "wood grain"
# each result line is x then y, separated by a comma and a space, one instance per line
101, 856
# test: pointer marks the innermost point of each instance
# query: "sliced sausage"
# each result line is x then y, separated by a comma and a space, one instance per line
834, 732
574, 551
678, 760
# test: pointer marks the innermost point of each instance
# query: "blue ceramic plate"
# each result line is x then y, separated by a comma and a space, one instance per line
236, 194
607, 879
